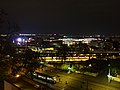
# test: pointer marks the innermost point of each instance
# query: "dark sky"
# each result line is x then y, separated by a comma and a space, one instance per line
87, 17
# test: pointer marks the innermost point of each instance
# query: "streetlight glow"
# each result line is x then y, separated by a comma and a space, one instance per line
17, 75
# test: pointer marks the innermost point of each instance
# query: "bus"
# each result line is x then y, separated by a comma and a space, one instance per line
44, 77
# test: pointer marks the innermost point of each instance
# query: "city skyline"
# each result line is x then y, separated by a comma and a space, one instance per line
53, 62
68, 17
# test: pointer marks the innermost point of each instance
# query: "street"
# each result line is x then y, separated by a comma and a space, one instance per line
76, 81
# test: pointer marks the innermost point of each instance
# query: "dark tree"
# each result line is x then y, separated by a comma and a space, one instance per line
6, 24
31, 62
6, 47
63, 51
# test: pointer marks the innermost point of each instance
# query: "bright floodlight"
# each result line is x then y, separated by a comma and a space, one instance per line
19, 39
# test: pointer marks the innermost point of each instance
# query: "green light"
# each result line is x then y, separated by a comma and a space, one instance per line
69, 68
42, 62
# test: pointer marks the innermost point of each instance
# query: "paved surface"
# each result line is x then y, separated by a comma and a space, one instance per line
80, 82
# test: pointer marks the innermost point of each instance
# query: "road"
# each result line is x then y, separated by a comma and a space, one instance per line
80, 82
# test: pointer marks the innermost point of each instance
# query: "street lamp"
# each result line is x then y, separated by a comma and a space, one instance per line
17, 75
109, 76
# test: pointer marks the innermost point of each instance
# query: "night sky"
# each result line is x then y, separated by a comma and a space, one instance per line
81, 17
